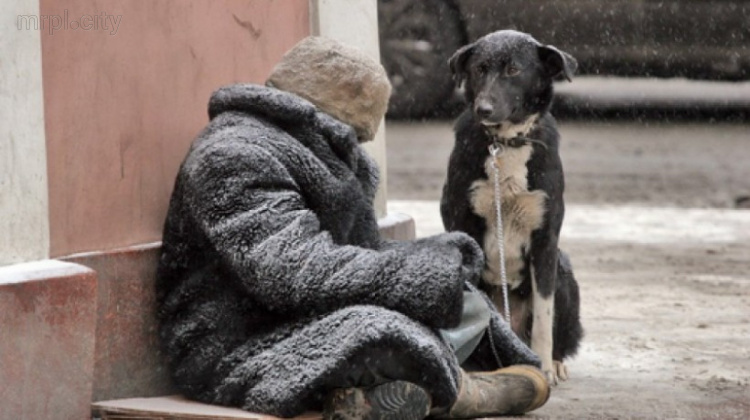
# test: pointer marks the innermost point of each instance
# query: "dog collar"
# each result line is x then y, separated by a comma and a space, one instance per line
499, 141
515, 142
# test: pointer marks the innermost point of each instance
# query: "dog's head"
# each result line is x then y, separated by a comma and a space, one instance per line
508, 75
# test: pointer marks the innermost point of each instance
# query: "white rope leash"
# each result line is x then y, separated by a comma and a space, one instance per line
496, 150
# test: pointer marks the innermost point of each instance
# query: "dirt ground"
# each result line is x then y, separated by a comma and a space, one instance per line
660, 252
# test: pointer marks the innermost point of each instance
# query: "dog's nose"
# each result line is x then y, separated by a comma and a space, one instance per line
483, 109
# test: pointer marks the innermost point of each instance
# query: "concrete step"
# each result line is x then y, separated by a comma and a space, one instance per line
47, 339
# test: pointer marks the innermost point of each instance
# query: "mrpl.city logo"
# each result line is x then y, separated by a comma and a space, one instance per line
66, 22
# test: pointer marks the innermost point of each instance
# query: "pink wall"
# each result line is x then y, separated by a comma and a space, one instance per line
121, 109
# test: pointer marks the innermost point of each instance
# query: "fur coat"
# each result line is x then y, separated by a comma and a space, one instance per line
273, 275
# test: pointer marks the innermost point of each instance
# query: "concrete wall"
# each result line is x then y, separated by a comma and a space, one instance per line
355, 22
123, 105
23, 166
123, 99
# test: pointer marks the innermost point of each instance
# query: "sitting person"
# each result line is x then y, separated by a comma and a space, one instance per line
275, 291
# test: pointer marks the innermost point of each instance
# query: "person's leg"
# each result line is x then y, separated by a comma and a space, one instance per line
378, 387
366, 351
358, 346
381, 383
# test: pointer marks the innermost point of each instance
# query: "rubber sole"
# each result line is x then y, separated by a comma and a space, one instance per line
398, 400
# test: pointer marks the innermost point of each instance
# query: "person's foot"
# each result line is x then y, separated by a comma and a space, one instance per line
398, 400
509, 391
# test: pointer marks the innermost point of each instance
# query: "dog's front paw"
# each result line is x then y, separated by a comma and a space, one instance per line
555, 371
550, 372
561, 370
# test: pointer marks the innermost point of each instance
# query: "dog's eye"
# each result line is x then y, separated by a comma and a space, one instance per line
483, 68
512, 70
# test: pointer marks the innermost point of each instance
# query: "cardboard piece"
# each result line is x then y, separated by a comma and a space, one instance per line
175, 407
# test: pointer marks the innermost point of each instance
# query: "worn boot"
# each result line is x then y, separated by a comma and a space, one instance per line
397, 400
509, 391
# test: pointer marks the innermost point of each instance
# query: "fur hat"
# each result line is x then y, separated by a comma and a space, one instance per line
340, 80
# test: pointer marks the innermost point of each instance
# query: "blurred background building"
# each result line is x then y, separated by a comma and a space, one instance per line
698, 40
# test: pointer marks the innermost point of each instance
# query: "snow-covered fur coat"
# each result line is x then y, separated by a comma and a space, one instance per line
273, 275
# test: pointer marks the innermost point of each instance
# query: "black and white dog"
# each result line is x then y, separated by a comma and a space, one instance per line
508, 79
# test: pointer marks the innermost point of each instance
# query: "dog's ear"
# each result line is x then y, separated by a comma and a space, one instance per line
558, 64
457, 63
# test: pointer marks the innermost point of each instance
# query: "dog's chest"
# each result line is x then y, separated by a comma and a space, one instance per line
522, 212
